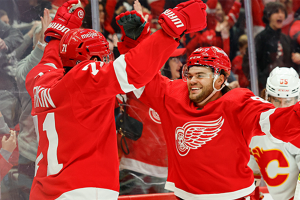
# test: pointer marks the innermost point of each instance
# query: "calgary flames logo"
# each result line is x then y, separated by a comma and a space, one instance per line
195, 134
272, 164
154, 116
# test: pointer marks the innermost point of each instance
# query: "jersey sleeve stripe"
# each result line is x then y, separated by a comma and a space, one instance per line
138, 93
265, 125
120, 70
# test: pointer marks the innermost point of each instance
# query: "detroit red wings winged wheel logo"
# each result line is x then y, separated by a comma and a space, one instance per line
195, 134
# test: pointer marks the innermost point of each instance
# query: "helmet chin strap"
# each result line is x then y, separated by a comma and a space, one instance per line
214, 91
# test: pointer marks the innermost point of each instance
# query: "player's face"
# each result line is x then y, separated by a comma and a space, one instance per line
200, 83
283, 102
175, 65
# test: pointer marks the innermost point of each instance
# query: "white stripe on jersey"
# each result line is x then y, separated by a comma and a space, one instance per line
51, 65
265, 126
120, 70
138, 93
90, 193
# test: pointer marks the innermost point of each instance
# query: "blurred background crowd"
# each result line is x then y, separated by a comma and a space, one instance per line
143, 168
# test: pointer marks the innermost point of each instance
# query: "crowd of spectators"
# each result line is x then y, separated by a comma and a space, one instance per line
276, 25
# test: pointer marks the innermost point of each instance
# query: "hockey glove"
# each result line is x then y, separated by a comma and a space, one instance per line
64, 20
134, 29
186, 17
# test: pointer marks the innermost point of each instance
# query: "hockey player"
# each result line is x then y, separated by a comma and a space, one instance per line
208, 128
73, 108
277, 161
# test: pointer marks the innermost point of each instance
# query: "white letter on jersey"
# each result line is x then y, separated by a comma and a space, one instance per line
42, 97
259, 99
49, 127
93, 66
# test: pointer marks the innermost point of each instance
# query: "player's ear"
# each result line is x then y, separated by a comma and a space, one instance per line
220, 81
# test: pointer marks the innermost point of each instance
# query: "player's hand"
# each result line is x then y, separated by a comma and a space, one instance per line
186, 17
11, 143
132, 24
134, 28
68, 16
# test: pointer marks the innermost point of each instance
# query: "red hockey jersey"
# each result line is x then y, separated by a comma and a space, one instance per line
148, 155
208, 148
73, 113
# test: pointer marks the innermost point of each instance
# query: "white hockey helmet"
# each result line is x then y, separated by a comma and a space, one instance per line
283, 82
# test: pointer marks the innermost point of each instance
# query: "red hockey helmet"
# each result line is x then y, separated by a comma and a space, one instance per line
212, 56
82, 44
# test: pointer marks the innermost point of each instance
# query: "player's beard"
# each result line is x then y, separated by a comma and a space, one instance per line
198, 98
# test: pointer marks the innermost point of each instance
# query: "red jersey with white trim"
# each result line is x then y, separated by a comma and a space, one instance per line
208, 148
278, 162
77, 154
148, 155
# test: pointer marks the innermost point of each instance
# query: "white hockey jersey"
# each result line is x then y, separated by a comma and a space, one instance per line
278, 163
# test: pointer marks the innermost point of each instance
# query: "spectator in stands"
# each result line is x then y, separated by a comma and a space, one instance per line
273, 48
172, 68
105, 27
294, 34
217, 33
123, 6
3, 126
4, 17
27, 139
276, 161
10, 38
8, 146
238, 61
32, 10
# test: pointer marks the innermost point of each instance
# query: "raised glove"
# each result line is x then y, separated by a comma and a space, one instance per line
134, 29
186, 17
64, 20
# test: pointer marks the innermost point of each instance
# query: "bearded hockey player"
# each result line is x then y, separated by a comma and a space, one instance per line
208, 128
276, 161
73, 98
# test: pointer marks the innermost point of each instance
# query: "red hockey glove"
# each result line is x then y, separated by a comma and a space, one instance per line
134, 29
64, 20
186, 17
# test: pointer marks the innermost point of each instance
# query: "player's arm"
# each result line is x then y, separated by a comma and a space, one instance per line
138, 66
64, 20
259, 117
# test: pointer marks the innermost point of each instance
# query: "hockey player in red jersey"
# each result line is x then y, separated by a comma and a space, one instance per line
208, 128
277, 161
73, 97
